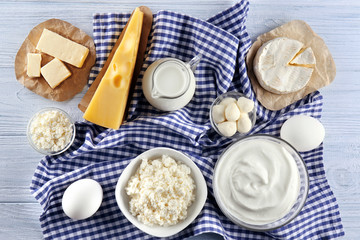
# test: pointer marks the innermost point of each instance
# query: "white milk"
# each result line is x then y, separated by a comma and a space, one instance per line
170, 79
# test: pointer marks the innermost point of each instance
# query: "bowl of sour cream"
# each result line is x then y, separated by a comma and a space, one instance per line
260, 182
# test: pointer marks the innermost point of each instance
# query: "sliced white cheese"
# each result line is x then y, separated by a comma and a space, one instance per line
305, 58
62, 48
55, 72
33, 64
273, 69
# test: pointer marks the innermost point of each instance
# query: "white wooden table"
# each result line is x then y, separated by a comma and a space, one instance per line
337, 22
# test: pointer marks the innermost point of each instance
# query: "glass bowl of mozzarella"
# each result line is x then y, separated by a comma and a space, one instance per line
232, 115
260, 182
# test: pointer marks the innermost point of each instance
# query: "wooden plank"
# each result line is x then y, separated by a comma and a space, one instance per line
337, 22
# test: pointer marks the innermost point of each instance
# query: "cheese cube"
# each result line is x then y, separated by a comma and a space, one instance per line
107, 107
62, 48
33, 64
55, 72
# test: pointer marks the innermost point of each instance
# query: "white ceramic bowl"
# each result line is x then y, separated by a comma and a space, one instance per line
43, 151
235, 95
123, 199
303, 192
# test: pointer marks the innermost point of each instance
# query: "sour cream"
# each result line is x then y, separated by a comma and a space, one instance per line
257, 181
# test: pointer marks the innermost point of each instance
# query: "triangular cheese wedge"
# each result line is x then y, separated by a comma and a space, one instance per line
282, 66
108, 104
305, 58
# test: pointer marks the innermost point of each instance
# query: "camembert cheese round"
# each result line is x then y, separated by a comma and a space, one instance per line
283, 65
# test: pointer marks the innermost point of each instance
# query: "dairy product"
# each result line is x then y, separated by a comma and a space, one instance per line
244, 123
55, 72
33, 64
161, 191
245, 105
282, 65
232, 112
231, 115
108, 105
257, 181
227, 128
62, 48
305, 58
51, 130
218, 113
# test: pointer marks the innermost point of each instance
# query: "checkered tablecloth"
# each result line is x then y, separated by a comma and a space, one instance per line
102, 154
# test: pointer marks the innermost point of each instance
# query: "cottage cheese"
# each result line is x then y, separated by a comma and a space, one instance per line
161, 191
51, 130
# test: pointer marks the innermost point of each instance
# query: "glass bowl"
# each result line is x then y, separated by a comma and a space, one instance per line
49, 151
262, 225
236, 96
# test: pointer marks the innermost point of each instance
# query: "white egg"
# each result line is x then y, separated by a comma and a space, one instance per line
82, 199
303, 132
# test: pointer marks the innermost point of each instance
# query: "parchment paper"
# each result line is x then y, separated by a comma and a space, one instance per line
145, 31
79, 76
324, 73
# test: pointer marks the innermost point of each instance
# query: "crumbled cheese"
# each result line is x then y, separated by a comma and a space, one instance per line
161, 191
51, 130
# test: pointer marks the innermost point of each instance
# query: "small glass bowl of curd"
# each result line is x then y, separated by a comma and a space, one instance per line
260, 182
232, 115
51, 131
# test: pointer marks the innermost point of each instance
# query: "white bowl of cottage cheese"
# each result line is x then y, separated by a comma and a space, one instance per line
161, 191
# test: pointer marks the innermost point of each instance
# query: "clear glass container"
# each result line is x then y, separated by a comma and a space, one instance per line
297, 206
236, 96
45, 151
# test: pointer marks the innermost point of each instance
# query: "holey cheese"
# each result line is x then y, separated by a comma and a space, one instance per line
62, 48
107, 107
283, 65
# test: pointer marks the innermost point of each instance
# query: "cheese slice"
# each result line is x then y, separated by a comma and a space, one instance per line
283, 66
305, 58
108, 104
33, 64
55, 72
62, 48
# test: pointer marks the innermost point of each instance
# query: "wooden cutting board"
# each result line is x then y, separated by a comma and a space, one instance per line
146, 28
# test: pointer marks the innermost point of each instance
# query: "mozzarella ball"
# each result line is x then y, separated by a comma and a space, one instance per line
232, 112
227, 101
218, 113
246, 105
244, 124
227, 128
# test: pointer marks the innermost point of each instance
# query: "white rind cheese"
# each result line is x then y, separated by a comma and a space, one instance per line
305, 58
161, 191
282, 65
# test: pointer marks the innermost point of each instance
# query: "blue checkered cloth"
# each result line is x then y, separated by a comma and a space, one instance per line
102, 154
